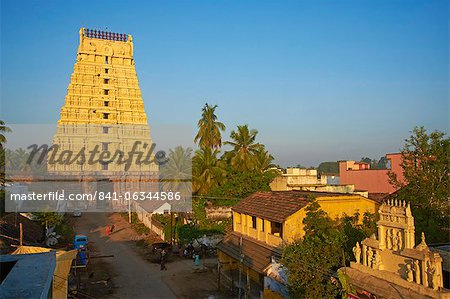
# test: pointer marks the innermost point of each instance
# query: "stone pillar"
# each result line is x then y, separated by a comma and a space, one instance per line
382, 237
424, 270
364, 255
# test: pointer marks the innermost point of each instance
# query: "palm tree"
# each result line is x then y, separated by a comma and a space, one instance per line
207, 170
263, 161
209, 129
3, 129
245, 148
176, 173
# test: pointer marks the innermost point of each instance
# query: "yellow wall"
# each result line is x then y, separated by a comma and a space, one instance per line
334, 206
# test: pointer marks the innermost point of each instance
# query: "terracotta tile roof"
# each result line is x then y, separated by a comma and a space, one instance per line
274, 206
378, 197
256, 254
277, 205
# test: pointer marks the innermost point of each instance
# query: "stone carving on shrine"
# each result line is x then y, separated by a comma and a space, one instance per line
393, 255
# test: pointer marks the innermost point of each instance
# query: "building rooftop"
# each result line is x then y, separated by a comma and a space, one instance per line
278, 205
27, 275
256, 254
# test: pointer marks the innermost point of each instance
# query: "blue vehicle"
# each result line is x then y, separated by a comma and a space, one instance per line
80, 243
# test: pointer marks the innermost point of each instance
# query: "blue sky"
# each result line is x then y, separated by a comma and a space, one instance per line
320, 80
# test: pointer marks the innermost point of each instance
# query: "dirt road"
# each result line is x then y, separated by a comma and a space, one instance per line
134, 277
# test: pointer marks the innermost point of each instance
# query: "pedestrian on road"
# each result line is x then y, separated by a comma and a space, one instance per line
163, 260
108, 230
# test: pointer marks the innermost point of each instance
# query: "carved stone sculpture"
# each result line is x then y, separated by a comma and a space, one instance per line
409, 273
417, 271
357, 252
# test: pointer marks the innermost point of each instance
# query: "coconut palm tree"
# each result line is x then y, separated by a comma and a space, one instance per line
245, 148
263, 161
3, 129
207, 170
176, 173
209, 129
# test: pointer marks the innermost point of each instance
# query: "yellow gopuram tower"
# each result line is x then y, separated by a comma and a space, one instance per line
103, 109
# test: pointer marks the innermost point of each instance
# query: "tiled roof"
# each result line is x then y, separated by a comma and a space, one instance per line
256, 254
274, 206
378, 197
279, 205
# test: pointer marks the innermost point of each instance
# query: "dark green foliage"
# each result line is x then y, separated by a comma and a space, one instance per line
48, 219
328, 167
426, 168
187, 233
376, 164
356, 232
312, 261
238, 172
241, 184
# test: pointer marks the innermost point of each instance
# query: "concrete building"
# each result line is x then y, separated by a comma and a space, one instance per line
308, 180
362, 177
391, 265
264, 223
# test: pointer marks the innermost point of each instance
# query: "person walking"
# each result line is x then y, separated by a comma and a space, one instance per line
163, 260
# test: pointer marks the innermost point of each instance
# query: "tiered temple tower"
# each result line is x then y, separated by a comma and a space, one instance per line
103, 108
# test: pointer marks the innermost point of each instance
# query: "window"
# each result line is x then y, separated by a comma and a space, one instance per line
166, 211
106, 60
104, 166
104, 146
106, 103
105, 130
106, 81
262, 225
106, 71
254, 222
105, 115
276, 229
105, 92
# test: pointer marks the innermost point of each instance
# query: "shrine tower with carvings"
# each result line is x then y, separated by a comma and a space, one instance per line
103, 107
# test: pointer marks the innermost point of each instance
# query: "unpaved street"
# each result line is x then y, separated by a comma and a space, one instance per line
134, 276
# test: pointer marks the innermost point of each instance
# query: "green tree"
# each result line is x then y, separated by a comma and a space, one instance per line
240, 184
328, 167
382, 163
209, 129
312, 261
426, 162
356, 231
207, 170
48, 219
263, 160
244, 148
3, 129
176, 173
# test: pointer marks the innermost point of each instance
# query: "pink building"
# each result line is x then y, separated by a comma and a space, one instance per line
371, 180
